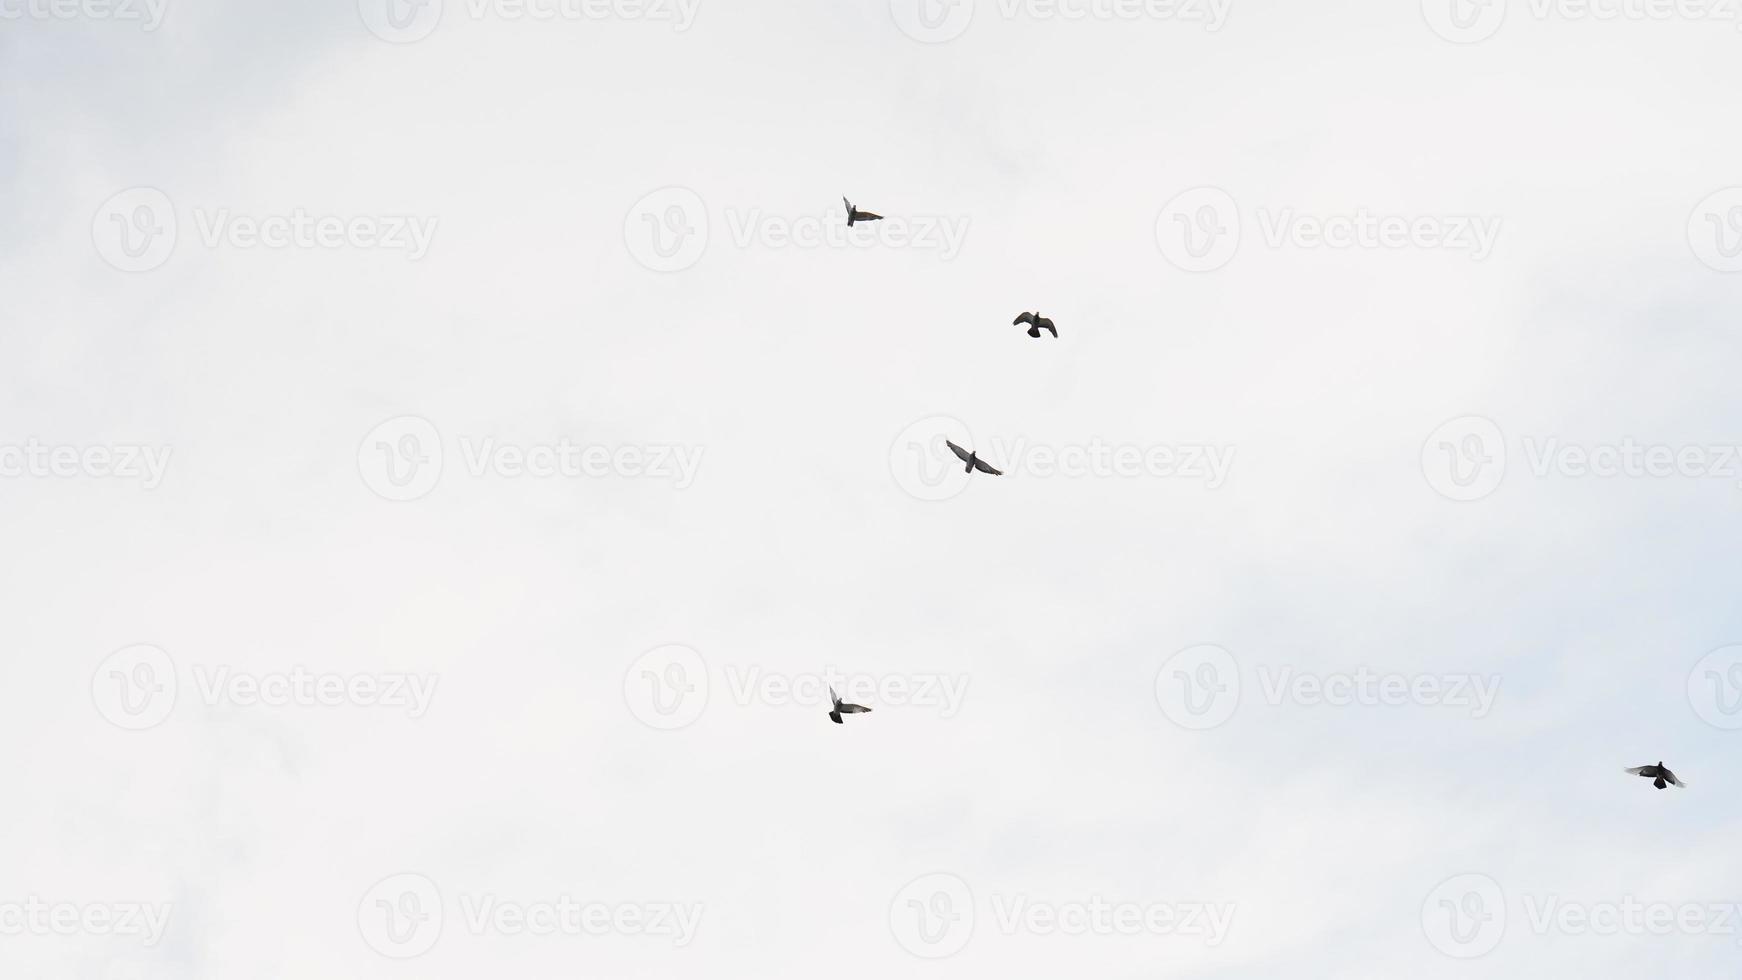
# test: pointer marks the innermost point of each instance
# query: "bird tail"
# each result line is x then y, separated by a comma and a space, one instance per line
1659, 783
835, 716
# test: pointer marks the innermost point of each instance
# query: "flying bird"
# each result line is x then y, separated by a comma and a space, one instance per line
843, 708
1037, 323
854, 214
972, 459
1659, 775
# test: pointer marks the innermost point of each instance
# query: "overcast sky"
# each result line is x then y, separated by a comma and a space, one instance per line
447, 452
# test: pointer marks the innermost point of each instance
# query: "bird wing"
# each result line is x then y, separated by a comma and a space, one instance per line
980, 465
854, 709
1638, 770
867, 216
1672, 777
849, 205
1047, 325
1024, 318
833, 697
961, 454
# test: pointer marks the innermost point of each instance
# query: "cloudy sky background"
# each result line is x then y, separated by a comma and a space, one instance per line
800, 547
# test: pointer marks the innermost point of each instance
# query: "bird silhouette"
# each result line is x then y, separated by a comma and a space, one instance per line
843, 708
1659, 775
972, 459
1037, 323
854, 214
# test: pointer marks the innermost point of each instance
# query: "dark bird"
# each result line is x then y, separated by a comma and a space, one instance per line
854, 214
843, 708
973, 460
1037, 323
1659, 775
